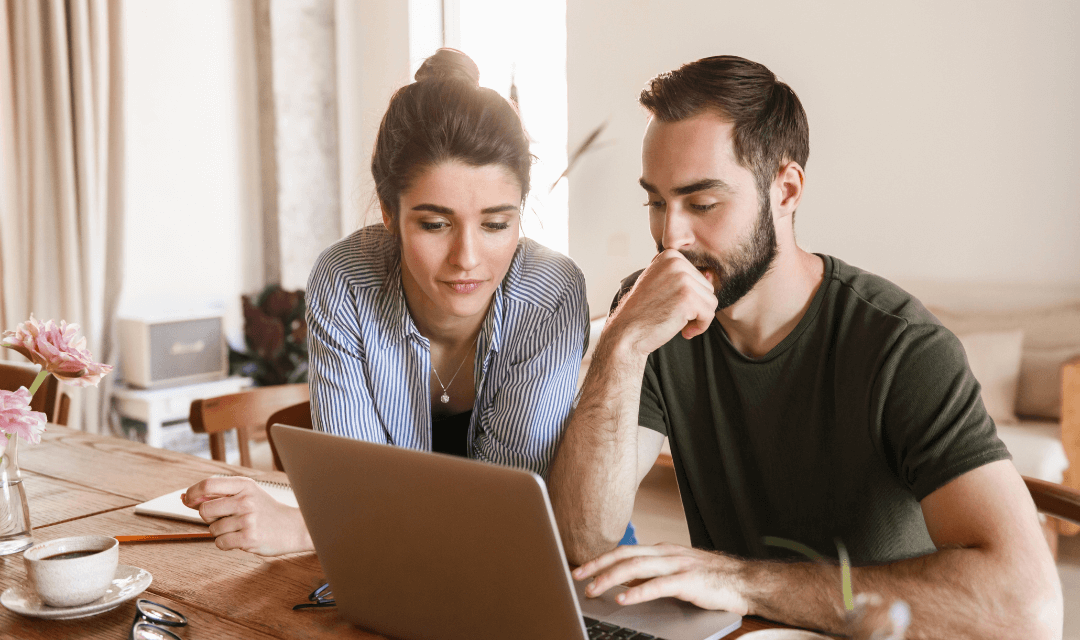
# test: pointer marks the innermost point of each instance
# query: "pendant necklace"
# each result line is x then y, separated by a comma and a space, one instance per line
445, 397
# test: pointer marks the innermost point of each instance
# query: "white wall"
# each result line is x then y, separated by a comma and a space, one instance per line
191, 183
943, 135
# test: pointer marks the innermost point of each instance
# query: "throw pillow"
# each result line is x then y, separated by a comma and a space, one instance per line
1039, 393
994, 358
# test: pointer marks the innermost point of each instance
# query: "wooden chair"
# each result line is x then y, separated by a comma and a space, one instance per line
49, 399
298, 415
1054, 499
1060, 502
246, 412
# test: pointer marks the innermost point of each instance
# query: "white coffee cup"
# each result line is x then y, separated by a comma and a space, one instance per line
68, 572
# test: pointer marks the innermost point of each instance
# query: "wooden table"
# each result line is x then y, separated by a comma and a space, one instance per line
81, 484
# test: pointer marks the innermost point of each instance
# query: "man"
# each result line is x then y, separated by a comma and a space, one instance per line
803, 399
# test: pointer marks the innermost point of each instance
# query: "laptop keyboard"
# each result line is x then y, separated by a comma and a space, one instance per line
607, 631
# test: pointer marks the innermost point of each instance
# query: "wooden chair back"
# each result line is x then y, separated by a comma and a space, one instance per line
298, 415
1054, 499
48, 399
246, 412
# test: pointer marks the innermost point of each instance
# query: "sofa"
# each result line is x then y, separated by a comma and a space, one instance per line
1023, 345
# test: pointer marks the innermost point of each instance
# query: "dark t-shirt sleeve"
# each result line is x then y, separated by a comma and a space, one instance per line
624, 288
651, 412
934, 427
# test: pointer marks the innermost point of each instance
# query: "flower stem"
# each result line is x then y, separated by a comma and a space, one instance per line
845, 563
798, 547
38, 380
845, 576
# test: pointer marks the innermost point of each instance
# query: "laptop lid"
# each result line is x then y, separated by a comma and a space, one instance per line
422, 545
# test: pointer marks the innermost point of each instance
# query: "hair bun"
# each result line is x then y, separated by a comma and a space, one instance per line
449, 64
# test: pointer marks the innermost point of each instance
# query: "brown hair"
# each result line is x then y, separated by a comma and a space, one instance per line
446, 115
770, 126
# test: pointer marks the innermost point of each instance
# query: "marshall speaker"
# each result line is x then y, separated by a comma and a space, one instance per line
165, 353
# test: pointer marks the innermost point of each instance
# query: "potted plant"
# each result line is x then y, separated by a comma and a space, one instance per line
275, 337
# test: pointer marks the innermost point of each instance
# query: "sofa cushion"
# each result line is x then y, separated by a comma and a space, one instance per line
1051, 338
1036, 449
994, 358
1039, 391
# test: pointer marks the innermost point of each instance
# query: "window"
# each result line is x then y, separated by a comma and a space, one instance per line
520, 44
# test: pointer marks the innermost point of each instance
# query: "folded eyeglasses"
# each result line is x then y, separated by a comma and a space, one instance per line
321, 597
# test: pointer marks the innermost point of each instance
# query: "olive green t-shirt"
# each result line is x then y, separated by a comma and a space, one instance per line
867, 407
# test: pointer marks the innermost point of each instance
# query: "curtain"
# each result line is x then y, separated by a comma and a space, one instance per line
61, 207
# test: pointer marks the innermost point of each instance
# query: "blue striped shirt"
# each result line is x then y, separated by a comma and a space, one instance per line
369, 365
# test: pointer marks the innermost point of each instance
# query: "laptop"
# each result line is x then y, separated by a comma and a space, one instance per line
424, 545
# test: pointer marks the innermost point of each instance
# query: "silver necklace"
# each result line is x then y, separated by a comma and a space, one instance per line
445, 397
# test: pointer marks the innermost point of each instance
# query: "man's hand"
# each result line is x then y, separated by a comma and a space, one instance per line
709, 580
243, 516
671, 296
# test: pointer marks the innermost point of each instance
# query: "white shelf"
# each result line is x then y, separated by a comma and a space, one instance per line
157, 406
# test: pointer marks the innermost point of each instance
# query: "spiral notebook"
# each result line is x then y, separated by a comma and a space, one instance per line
170, 505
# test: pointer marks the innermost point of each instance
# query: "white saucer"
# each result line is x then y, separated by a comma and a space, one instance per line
127, 583
784, 634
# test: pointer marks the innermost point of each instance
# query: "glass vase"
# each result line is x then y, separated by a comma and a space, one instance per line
14, 510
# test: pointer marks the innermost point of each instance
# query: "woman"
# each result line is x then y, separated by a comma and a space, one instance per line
438, 330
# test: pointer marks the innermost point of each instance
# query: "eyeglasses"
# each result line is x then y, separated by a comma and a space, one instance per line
149, 615
321, 597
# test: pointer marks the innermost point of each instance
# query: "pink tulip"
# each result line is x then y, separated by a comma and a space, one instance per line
58, 350
17, 418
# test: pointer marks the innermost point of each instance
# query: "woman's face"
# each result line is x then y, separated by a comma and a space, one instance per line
459, 228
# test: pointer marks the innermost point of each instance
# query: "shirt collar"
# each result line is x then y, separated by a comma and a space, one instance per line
493, 323
491, 330
393, 312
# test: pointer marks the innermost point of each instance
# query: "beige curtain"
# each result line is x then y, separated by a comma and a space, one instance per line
61, 209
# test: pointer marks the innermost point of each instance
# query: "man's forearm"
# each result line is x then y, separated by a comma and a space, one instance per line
594, 474
953, 593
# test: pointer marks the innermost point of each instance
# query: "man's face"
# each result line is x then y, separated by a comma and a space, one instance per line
706, 206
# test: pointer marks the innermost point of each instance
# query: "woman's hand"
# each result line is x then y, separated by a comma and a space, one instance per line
243, 516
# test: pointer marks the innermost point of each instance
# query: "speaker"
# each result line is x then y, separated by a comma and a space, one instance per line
165, 353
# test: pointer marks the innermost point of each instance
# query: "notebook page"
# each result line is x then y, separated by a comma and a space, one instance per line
170, 505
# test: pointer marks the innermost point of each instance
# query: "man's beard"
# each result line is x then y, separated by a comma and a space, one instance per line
747, 265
